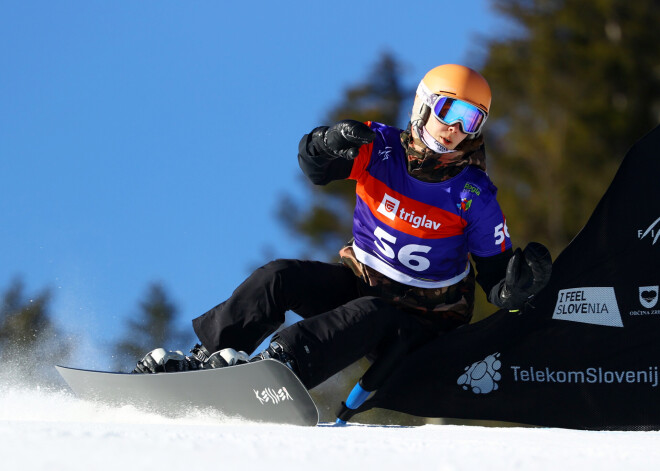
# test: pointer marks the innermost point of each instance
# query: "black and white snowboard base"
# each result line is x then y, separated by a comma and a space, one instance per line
263, 391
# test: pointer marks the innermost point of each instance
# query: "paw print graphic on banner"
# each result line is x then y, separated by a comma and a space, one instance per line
482, 376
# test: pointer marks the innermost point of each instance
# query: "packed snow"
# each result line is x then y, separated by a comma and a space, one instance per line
50, 429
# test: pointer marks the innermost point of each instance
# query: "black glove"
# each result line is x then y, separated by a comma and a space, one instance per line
343, 139
527, 273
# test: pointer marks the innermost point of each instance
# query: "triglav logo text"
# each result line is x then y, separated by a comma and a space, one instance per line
274, 396
653, 232
589, 306
482, 376
389, 207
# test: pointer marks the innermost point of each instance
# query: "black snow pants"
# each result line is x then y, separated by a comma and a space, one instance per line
340, 325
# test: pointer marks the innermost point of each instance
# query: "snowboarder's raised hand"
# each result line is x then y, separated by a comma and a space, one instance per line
343, 139
527, 273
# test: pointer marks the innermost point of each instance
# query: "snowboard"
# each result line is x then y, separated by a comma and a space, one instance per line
263, 391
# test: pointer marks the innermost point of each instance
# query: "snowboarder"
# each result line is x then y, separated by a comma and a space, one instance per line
424, 204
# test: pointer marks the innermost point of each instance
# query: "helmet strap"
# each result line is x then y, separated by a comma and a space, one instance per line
420, 116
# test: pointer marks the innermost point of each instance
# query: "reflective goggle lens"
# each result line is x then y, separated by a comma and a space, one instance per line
450, 111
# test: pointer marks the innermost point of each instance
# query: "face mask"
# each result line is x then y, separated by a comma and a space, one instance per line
429, 141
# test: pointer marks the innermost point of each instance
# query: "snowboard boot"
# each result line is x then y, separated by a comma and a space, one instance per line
224, 357
275, 351
162, 361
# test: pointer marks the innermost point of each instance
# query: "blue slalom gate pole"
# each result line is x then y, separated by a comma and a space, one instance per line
373, 378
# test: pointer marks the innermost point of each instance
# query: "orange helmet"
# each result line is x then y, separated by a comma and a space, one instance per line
454, 81
458, 81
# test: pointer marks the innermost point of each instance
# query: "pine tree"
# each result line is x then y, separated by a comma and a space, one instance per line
153, 327
573, 88
30, 342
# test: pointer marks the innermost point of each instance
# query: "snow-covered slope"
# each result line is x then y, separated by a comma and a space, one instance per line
52, 430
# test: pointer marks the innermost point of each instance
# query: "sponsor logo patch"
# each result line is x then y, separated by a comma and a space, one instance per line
385, 154
589, 306
648, 296
482, 376
648, 299
472, 188
464, 205
389, 206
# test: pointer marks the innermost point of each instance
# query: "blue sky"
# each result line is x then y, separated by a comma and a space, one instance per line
147, 141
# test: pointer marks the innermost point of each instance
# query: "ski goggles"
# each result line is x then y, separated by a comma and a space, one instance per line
452, 110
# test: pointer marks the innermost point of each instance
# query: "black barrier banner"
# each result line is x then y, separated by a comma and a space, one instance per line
587, 353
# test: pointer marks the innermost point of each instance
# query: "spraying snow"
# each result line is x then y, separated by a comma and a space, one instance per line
50, 429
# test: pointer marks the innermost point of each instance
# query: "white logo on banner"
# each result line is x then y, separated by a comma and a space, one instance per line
482, 376
653, 231
648, 296
589, 306
591, 375
389, 206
